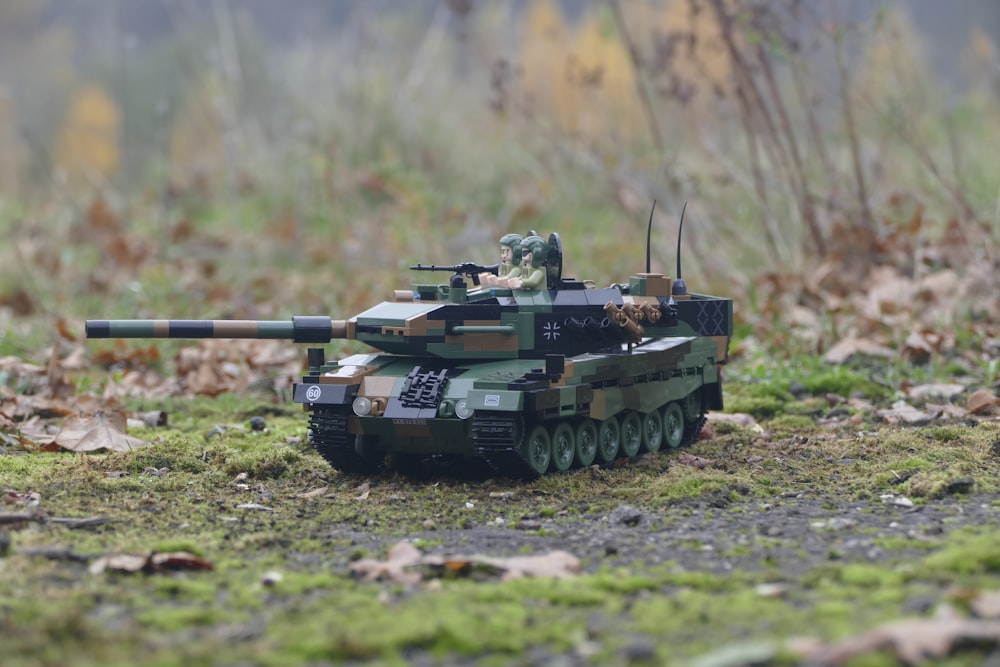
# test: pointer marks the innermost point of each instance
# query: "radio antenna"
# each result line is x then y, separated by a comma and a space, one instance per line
649, 233
680, 287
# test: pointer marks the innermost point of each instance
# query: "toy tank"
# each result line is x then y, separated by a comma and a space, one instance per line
530, 379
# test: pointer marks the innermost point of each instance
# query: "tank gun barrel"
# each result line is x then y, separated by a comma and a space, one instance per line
299, 329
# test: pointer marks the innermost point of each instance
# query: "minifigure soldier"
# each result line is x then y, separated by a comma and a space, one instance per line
510, 248
533, 253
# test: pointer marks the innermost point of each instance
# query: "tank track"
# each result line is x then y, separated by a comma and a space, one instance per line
329, 436
496, 436
692, 429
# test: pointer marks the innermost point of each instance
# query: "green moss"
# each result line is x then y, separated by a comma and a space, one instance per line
761, 407
966, 553
843, 382
791, 424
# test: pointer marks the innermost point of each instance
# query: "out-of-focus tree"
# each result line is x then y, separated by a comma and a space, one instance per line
86, 148
196, 152
543, 56
894, 66
12, 151
601, 82
692, 62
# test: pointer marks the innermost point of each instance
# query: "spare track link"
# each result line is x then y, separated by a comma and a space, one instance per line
331, 439
496, 436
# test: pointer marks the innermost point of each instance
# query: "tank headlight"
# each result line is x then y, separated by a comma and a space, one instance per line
446, 409
462, 409
362, 406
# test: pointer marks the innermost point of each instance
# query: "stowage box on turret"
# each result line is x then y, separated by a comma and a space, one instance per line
517, 365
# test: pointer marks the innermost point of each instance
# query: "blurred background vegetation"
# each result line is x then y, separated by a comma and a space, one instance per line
254, 159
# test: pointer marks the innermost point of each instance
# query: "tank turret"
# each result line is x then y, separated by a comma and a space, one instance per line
527, 369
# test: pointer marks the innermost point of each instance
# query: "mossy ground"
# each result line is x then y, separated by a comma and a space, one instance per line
798, 507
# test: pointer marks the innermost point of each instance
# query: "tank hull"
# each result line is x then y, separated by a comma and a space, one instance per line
523, 417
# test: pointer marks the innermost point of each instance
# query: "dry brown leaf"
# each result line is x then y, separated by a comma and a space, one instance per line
911, 640
554, 564
101, 431
119, 563
402, 555
982, 402
946, 411
149, 563
698, 462
946, 391
64, 330
903, 412
25, 498
736, 418
986, 604
404, 560
852, 346
315, 493
169, 561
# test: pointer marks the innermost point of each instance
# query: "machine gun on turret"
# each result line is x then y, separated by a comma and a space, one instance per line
469, 269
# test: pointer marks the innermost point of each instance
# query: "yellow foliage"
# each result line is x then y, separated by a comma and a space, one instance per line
584, 79
543, 55
87, 144
602, 84
703, 61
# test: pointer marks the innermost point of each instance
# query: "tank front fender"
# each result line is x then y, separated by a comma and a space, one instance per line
323, 394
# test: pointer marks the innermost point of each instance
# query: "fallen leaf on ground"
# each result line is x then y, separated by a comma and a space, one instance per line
986, 604
947, 391
912, 641
901, 411
315, 493
698, 462
167, 561
982, 402
554, 564
849, 347
103, 430
405, 565
736, 418
25, 498
400, 556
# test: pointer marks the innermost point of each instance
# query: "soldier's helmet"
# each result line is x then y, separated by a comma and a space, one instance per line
538, 248
513, 241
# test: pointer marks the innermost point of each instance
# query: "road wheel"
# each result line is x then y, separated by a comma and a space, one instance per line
652, 431
538, 449
631, 434
563, 447
673, 424
586, 443
608, 440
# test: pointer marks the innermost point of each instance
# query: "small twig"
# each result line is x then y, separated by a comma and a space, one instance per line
8, 518
87, 522
57, 553
20, 517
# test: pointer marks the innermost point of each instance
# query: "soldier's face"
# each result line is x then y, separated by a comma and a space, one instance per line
526, 260
505, 254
